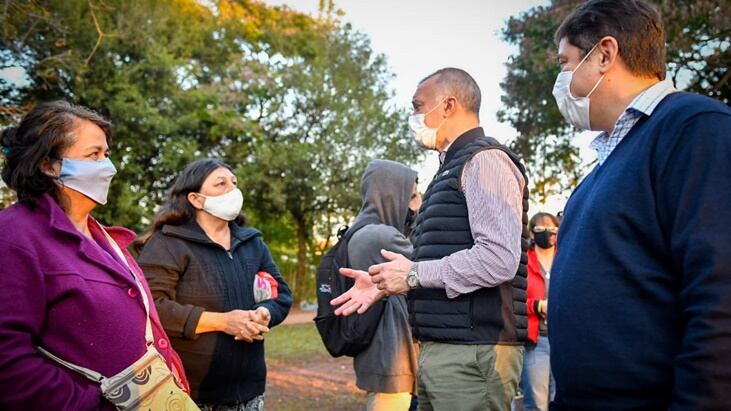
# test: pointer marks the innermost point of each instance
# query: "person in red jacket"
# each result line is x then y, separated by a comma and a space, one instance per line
536, 381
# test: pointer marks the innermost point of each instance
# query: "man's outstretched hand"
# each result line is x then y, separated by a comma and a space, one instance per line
360, 297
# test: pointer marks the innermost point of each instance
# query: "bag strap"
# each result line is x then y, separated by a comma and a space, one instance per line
350, 232
90, 374
149, 338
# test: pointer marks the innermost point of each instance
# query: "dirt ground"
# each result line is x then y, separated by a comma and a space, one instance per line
315, 382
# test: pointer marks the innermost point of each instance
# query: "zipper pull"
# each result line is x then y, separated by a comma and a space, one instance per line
230, 255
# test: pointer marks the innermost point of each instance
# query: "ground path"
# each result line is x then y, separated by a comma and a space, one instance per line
318, 382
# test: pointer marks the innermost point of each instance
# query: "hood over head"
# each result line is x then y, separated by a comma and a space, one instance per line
386, 188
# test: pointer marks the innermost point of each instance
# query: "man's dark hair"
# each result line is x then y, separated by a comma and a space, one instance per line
635, 24
43, 135
458, 83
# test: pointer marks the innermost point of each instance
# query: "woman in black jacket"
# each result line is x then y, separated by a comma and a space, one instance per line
215, 286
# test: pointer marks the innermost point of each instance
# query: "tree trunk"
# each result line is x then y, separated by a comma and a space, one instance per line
298, 290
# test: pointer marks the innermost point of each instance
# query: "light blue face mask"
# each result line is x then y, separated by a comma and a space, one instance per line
90, 178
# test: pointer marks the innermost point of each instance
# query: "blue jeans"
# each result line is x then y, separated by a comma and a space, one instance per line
536, 381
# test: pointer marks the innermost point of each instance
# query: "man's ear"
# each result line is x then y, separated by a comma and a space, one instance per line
450, 106
608, 53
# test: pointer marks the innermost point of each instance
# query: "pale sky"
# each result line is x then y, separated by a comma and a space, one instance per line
420, 37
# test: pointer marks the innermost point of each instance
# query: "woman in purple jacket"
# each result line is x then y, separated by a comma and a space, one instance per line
63, 286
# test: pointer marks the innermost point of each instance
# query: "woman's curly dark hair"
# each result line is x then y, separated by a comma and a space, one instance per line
42, 136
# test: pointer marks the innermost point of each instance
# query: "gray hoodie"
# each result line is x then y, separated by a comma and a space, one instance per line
389, 363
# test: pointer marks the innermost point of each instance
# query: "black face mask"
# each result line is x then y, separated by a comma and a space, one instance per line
543, 239
410, 220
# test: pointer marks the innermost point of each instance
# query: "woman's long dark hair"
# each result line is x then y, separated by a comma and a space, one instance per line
177, 210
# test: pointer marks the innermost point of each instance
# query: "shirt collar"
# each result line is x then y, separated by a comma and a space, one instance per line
459, 142
647, 101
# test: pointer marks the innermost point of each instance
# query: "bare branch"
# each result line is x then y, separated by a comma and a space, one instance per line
98, 30
723, 81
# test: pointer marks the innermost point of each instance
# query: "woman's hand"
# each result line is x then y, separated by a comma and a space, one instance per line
262, 316
243, 325
543, 308
252, 331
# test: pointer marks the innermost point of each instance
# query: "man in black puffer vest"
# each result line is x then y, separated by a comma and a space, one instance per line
466, 283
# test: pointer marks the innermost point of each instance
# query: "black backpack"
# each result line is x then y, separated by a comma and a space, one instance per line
342, 335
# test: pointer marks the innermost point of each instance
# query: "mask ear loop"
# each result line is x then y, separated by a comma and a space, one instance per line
596, 85
585, 57
435, 107
57, 178
577, 67
204, 197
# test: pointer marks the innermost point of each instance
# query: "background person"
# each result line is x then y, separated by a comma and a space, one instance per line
386, 370
536, 381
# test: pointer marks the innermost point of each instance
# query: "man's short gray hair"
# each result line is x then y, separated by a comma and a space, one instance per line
456, 82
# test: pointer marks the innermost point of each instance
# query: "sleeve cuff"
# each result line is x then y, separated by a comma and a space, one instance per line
429, 274
192, 323
273, 312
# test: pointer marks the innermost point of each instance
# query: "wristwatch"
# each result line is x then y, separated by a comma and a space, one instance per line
412, 279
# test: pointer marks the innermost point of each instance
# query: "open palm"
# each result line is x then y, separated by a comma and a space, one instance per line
361, 296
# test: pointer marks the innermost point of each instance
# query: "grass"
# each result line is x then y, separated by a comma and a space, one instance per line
293, 343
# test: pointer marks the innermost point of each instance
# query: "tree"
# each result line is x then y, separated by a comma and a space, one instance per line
298, 105
699, 54
330, 119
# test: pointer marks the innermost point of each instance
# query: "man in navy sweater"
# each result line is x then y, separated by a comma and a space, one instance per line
640, 313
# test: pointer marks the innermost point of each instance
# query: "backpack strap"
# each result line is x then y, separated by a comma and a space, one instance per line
357, 226
350, 233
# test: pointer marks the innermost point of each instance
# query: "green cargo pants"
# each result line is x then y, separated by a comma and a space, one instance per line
455, 377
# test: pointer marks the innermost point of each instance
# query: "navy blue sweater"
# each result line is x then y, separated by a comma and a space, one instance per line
640, 311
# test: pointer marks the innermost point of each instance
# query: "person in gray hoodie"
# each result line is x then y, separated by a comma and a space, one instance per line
387, 368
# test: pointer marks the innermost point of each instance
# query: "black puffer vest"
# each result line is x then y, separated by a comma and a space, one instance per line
486, 316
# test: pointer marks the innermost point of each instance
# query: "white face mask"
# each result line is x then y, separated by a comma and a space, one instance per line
424, 135
574, 109
226, 206
90, 178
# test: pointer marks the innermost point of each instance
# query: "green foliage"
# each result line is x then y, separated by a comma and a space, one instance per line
699, 54
296, 104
